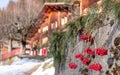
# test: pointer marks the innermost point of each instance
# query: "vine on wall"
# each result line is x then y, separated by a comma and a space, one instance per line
59, 41
87, 23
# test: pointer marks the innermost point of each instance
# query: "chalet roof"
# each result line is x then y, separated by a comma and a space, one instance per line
48, 7
51, 5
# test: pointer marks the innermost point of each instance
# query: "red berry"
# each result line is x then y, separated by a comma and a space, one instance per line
96, 67
101, 51
86, 61
72, 65
89, 51
87, 38
80, 56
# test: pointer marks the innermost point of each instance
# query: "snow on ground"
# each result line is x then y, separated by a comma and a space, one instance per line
22, 66
19, 67
45, 68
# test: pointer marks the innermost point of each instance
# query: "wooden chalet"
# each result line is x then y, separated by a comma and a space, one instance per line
53, 16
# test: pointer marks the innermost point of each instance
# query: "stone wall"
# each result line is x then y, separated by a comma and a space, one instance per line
104, 37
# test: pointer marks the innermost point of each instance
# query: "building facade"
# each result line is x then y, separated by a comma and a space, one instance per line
53, 16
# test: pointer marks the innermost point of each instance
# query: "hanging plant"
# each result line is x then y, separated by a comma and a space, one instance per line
59, 41
96, 67
57, 47
72, 65
73, 29
101, 51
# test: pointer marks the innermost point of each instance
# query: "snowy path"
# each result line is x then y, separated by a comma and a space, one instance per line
46, 68
24, 65
19, 67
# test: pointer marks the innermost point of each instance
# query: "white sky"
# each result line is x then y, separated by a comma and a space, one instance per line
4, 3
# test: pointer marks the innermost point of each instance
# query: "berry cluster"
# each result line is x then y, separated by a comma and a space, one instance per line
72, 65
101, 51
86, 61
79, 56
89, 51
82, 58
87, 38
96, 67
98, 51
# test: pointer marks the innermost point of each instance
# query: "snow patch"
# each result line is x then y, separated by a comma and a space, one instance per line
48, 71
24, 65
19, 67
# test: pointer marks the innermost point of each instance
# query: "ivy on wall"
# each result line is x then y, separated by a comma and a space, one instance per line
89, 22
59, 40
95, 19
57, 47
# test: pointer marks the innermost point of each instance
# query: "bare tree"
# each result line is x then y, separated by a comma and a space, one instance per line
17, 19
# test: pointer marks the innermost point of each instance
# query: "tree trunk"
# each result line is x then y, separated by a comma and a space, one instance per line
23, 44
22, 48
9, 45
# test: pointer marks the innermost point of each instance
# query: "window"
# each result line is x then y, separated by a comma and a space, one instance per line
66, 19
56, 24
45, 28
44, 40
62, 21
39, 30
52, 26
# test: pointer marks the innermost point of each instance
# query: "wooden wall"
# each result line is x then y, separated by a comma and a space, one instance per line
86, 3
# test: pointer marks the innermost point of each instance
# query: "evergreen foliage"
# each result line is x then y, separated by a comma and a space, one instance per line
59, 41
94, 18
57, 48
112, 6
